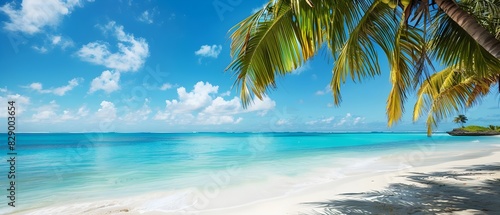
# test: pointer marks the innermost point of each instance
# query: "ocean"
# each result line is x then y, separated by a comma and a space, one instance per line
189, 169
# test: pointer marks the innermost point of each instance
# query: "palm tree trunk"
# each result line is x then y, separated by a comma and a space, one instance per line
471, 26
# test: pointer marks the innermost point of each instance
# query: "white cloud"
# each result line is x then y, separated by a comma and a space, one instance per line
301, 69
202, 107
21, 103
358, 120
60, 91
70, 115
131, 54
227, 93
56, 40
344, 120
324, 121
261, 106
349, 120
209, 51
46, 112
34, 15
220, 106
40, 49
82, 111
3, 90
326, 90
50, 113
94, 52
139, 115
321, 92
53, 41
166, 86
107, 112
19, 99
217, 120
107, 81
63, 42
44, 115
194, 100
146, 17
312, 122
36, 86
328, 120
282, 122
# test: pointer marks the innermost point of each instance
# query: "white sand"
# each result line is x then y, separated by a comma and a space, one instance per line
419, 182
461, 183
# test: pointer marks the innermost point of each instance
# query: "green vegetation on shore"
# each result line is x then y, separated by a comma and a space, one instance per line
477, 128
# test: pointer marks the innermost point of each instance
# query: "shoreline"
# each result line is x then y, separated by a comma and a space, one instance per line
377, 185
373, 175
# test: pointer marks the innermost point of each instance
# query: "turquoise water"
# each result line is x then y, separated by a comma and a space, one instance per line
57, 168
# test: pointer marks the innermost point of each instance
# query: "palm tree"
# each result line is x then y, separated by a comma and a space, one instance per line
460, 119
449, 91
469, 23
412, 33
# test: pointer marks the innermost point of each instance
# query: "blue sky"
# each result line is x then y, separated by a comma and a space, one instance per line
158, 66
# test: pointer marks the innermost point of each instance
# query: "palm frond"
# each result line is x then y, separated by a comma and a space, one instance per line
449, 91
454, 46
265, 47
358, 57
408, 48
404, 47
486, 12
286, 33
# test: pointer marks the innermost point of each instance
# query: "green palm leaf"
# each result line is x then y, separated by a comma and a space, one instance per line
286, 33
449, 91
266, 47
454, 46
358, 57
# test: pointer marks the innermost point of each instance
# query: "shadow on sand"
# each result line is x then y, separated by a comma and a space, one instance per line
458, 191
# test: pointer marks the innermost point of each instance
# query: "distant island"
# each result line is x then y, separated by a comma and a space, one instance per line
474, 130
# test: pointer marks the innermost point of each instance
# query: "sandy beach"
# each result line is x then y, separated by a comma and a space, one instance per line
467, 184
425, 181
